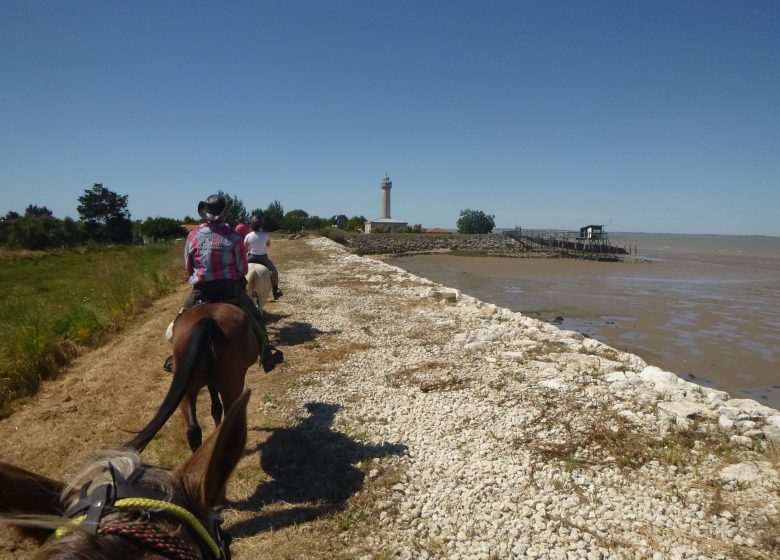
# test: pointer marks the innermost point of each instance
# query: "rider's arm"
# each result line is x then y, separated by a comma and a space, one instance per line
240, 256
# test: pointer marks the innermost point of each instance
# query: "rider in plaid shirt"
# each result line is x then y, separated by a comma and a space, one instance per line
215, 259
214, 252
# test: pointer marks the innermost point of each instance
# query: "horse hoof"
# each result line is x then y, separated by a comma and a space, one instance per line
271, 358
194, 438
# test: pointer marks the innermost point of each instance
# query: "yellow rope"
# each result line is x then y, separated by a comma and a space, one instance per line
158, 505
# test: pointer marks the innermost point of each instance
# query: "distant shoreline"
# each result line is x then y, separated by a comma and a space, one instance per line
391, 245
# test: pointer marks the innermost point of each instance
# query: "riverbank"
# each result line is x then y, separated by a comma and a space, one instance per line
412, 421
524, 440
711, 317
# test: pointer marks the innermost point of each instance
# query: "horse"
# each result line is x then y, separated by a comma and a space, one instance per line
121, 508
258, 284
213, 346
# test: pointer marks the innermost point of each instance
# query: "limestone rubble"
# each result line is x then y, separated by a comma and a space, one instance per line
515, 439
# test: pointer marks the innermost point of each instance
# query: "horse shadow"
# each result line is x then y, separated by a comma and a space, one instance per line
299, 332
313, 468
271, 318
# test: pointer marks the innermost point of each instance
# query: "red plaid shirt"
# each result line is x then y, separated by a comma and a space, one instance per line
214, 252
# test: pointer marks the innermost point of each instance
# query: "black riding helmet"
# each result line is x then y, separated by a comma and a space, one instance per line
213, 207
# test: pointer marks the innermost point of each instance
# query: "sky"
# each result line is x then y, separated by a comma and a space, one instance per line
658, 116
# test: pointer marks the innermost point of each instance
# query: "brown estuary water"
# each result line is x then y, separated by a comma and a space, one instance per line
706, 307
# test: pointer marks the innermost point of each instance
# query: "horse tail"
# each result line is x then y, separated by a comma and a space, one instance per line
200, 340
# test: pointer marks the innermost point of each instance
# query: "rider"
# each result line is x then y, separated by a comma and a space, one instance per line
257, 243
215, 259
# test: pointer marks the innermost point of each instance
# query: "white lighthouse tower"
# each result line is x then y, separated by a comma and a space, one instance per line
385, 223
387, 184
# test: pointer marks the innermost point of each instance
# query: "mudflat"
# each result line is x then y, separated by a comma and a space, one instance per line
715, 323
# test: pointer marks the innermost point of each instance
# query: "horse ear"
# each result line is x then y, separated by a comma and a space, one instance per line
25, 492
208, 470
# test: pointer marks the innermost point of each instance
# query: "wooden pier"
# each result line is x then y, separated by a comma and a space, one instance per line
571, 244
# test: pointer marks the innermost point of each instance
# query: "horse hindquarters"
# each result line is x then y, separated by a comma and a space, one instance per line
184, 383
258, 285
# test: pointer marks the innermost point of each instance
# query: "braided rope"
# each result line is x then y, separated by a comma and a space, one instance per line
158, 505
151, 538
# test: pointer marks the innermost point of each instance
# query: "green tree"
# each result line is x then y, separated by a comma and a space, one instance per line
475, 221
339, 220
236, 209
294, 220
356, 223
161, 228
273, 216
315, 222
105, 215
40, 211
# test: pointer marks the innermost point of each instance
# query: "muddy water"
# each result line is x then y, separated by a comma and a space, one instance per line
704, 307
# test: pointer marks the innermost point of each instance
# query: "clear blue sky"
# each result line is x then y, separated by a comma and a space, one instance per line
656, 116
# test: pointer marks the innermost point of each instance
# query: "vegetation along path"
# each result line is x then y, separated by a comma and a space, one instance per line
412, 421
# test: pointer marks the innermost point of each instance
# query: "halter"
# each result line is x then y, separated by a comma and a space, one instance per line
119, 494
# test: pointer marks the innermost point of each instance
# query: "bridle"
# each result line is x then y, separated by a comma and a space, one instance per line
121, 495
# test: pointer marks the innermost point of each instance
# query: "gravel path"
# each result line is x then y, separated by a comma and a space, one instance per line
511, 438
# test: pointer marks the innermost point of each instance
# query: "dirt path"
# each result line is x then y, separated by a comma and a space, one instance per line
108, 392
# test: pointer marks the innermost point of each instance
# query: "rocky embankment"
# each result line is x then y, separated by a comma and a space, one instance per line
510, 438
493, 244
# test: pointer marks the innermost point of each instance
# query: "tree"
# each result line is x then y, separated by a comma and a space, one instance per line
105, 215
236, 209
40, 211
315, 222
273, 216
162, 228
340, 221
356, 223
294, 220
475, 221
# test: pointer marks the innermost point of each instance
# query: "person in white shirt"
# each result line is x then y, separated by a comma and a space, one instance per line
257, 243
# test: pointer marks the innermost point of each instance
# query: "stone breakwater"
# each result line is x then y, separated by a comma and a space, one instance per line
526, 441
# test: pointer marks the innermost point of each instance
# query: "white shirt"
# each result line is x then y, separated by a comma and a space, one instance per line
256, 242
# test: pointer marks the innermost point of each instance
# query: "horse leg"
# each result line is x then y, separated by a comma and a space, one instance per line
194, 433
216, 405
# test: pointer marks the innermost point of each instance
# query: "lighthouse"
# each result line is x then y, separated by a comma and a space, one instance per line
385, 223
387, 184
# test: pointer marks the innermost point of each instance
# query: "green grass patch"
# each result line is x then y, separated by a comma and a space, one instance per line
53, 303
466, 253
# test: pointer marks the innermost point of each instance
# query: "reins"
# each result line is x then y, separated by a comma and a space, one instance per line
118, 495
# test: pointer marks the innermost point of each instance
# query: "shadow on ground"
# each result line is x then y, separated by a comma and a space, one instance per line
312, 468
298, 333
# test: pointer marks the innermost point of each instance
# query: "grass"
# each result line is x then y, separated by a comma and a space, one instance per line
52, 304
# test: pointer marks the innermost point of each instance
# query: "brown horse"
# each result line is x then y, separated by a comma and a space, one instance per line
123, 509
213, 346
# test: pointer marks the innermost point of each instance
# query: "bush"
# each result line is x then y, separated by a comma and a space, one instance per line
335, 234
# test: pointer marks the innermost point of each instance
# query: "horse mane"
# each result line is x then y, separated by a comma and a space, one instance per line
126, 463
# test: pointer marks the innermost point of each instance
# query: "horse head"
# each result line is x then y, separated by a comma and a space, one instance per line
121, 508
